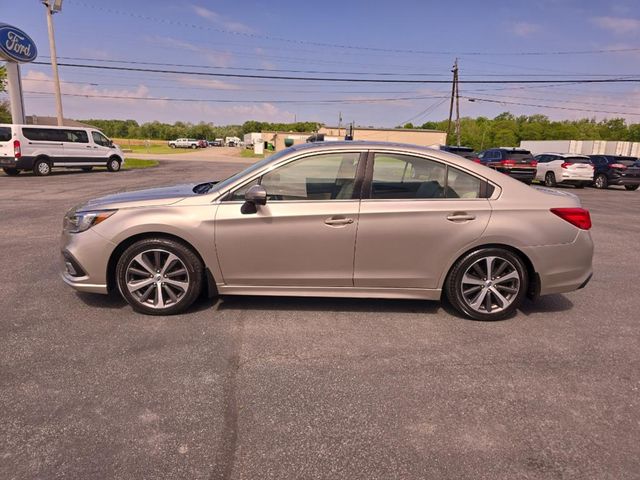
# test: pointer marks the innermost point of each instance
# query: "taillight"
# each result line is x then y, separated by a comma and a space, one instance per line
508, 163
17, 153
618, 165
566, 164
476, 159
575, 216
533, 163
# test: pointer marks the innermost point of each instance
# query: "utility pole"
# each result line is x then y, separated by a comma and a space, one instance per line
454, 87
54, 6
457, 103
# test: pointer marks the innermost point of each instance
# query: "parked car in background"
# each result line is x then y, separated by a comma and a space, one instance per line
515, 162
564, 168
232, 141
287, 226
41, 148
466, 152
203, 144
615, 170
218, 142
184, 143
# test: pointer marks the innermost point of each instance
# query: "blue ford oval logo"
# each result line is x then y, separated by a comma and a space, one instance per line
15, 45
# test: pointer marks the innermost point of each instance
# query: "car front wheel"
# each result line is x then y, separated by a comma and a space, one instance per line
113, 165
631, 187
159, 276
487, 284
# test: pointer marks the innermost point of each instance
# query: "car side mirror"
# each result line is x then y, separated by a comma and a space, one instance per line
254, 196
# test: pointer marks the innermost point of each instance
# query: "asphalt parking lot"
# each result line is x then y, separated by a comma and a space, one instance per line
250, 387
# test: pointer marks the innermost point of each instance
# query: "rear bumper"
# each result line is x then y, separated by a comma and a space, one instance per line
568, 177
22, 163
625, 181
523, 176
563, 268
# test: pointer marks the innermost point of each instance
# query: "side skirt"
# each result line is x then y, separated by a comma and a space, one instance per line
344, 292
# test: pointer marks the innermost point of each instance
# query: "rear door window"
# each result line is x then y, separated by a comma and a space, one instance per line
5, 134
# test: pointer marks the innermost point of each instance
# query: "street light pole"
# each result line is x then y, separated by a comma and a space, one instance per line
52, 7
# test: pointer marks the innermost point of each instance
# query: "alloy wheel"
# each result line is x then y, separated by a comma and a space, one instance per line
157, 278
490, 284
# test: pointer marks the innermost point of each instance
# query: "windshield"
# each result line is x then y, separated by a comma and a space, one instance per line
252, 168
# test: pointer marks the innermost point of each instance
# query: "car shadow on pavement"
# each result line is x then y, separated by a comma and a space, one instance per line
112, 301
546, 304
233, 302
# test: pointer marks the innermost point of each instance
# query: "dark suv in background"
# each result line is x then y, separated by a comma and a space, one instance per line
615, 170
515, 162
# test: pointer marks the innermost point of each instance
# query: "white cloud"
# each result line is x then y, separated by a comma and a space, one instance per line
207, 83
215, 57
524, 29
618, 25
80, 102
220, 20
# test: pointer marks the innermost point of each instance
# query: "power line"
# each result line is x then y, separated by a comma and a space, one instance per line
212, 100
396, 74
352, 47
343, 79
487, 100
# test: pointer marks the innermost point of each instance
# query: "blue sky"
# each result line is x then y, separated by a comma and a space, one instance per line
489, 38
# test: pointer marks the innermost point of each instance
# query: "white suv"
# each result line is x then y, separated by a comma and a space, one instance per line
184, 143
40, 148
566, 168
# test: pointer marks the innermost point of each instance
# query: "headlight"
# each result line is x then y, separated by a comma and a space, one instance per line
76, 222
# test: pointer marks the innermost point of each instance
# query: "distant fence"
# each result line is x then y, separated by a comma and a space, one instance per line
128, 142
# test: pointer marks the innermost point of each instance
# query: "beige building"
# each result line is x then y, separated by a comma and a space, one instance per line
416, 136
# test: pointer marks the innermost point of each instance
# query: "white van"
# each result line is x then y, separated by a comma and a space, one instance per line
40, 148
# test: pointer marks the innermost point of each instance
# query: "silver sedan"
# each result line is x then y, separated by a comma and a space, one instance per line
340, 219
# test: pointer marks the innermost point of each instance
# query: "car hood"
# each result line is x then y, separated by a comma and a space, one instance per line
141, 198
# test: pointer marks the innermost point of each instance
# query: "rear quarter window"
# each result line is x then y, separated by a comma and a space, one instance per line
5, 134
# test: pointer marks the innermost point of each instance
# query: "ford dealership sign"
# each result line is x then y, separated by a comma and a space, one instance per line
15, 45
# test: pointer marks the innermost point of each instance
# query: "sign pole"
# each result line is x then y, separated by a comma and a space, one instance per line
54, 65
15, 92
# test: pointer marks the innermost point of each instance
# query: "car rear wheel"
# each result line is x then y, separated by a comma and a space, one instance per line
41, 168
113, 165
601, 181
159, 276
12, 172
487, 284
194, 146
631, 187
550, 179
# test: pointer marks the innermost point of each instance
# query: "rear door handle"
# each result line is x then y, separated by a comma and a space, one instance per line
338, 221
460, 217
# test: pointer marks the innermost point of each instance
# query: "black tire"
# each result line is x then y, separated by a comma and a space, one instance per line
194, 146
172, 145
12, 172
194, 276
453, 287
631, 188
114, 164
550, 179
601, 181
42, 167
86, 169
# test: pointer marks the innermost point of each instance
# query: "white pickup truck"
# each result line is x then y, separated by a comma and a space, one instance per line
184, 143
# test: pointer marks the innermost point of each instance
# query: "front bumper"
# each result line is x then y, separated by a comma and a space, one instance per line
565, 267
85, 260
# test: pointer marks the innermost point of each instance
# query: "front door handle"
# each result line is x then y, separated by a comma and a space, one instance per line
460, 217
333, 221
